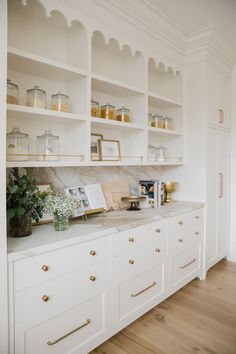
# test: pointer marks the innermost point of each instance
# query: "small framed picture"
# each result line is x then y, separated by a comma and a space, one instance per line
79, 194
94, 147
110, 150
47, 218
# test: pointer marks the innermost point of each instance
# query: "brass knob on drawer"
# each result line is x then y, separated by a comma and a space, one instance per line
131, 261
45, 267
158, 230
180, 240
131, 239
45, 298
196, 217
180, 222
157, 250
93, 253
196, 233
92, 278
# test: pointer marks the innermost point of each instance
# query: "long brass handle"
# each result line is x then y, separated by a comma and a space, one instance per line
88, 321
221, 116
221, 194
186, 265
142, 291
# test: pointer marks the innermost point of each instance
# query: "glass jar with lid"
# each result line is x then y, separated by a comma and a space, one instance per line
123, 115
95, 108
48, 146
108, 111
17, 145
36, 97
12, 93
168, 123
161, 153
157, 121
152, 152
60, 102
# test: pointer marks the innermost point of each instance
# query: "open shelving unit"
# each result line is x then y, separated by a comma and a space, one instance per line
88, 67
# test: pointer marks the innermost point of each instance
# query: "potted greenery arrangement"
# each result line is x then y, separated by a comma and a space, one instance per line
24, 203
61, 206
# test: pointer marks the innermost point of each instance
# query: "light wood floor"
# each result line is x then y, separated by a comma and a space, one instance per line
198, 319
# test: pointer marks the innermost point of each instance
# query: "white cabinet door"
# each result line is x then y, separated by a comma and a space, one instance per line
217, 196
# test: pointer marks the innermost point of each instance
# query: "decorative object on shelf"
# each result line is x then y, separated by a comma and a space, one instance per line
95, 147
46, 218
61, 206
149, 119
170, 187
12, 93
123, 115
60, 102
113, 192
36, 97
157, 121
152, 152
48, 146
134, 200
108, 111
110, 150
168, 123
95, 108
17, 145
161, 153
24, 203
153, 190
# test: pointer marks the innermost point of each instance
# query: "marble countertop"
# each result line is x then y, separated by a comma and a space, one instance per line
44, 238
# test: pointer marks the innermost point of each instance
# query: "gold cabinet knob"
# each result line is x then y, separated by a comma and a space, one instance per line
180, 222
131, 239
157, 250
92, 278
180, 240
158, 230
45, 267
196, 217
196, 233
93, 253
45, 298
131, 261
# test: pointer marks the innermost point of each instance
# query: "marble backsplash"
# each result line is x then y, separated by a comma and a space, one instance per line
63, 177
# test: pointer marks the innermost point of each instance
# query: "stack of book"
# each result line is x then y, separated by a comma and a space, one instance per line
153, 190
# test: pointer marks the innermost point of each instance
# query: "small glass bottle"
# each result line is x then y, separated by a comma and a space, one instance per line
168, 123
12, 93
161, 153
152, 153
95, 108
60, 102
108, 112
48, 146
123, 115
17, 143
36, 97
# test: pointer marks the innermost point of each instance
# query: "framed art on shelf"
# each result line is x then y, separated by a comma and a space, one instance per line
94, 147
110, 150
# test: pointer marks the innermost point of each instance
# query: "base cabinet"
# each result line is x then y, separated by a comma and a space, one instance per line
75, 308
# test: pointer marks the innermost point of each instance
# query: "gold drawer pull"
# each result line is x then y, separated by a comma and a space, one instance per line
158, 230
142, 291
45, 298
157, 250
186, 265
131, 261
93, 253
88, 321
92, 278
180, 222
45, 267
180, 240
196, 217
196, 233
131, 239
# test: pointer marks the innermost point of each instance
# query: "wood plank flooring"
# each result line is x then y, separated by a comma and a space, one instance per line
198, 319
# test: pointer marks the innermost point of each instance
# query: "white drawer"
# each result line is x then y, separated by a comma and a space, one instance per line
178, 241
37, 269
182, 221
184, 264
86, 321
136, 237
46, 300
135, 262
139, 291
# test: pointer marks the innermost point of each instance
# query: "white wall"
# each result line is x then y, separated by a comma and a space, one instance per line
232, 249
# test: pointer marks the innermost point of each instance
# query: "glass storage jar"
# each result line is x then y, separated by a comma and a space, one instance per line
95, 108
17, 143
12, 93
60, 102
152, 153
48, 146
168, 123
161, 153
157, 121
123, 115
108, 111
149, 119
36, 97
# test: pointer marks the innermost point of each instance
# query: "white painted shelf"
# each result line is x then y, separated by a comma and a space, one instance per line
160, 131
162, 101
105, 123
